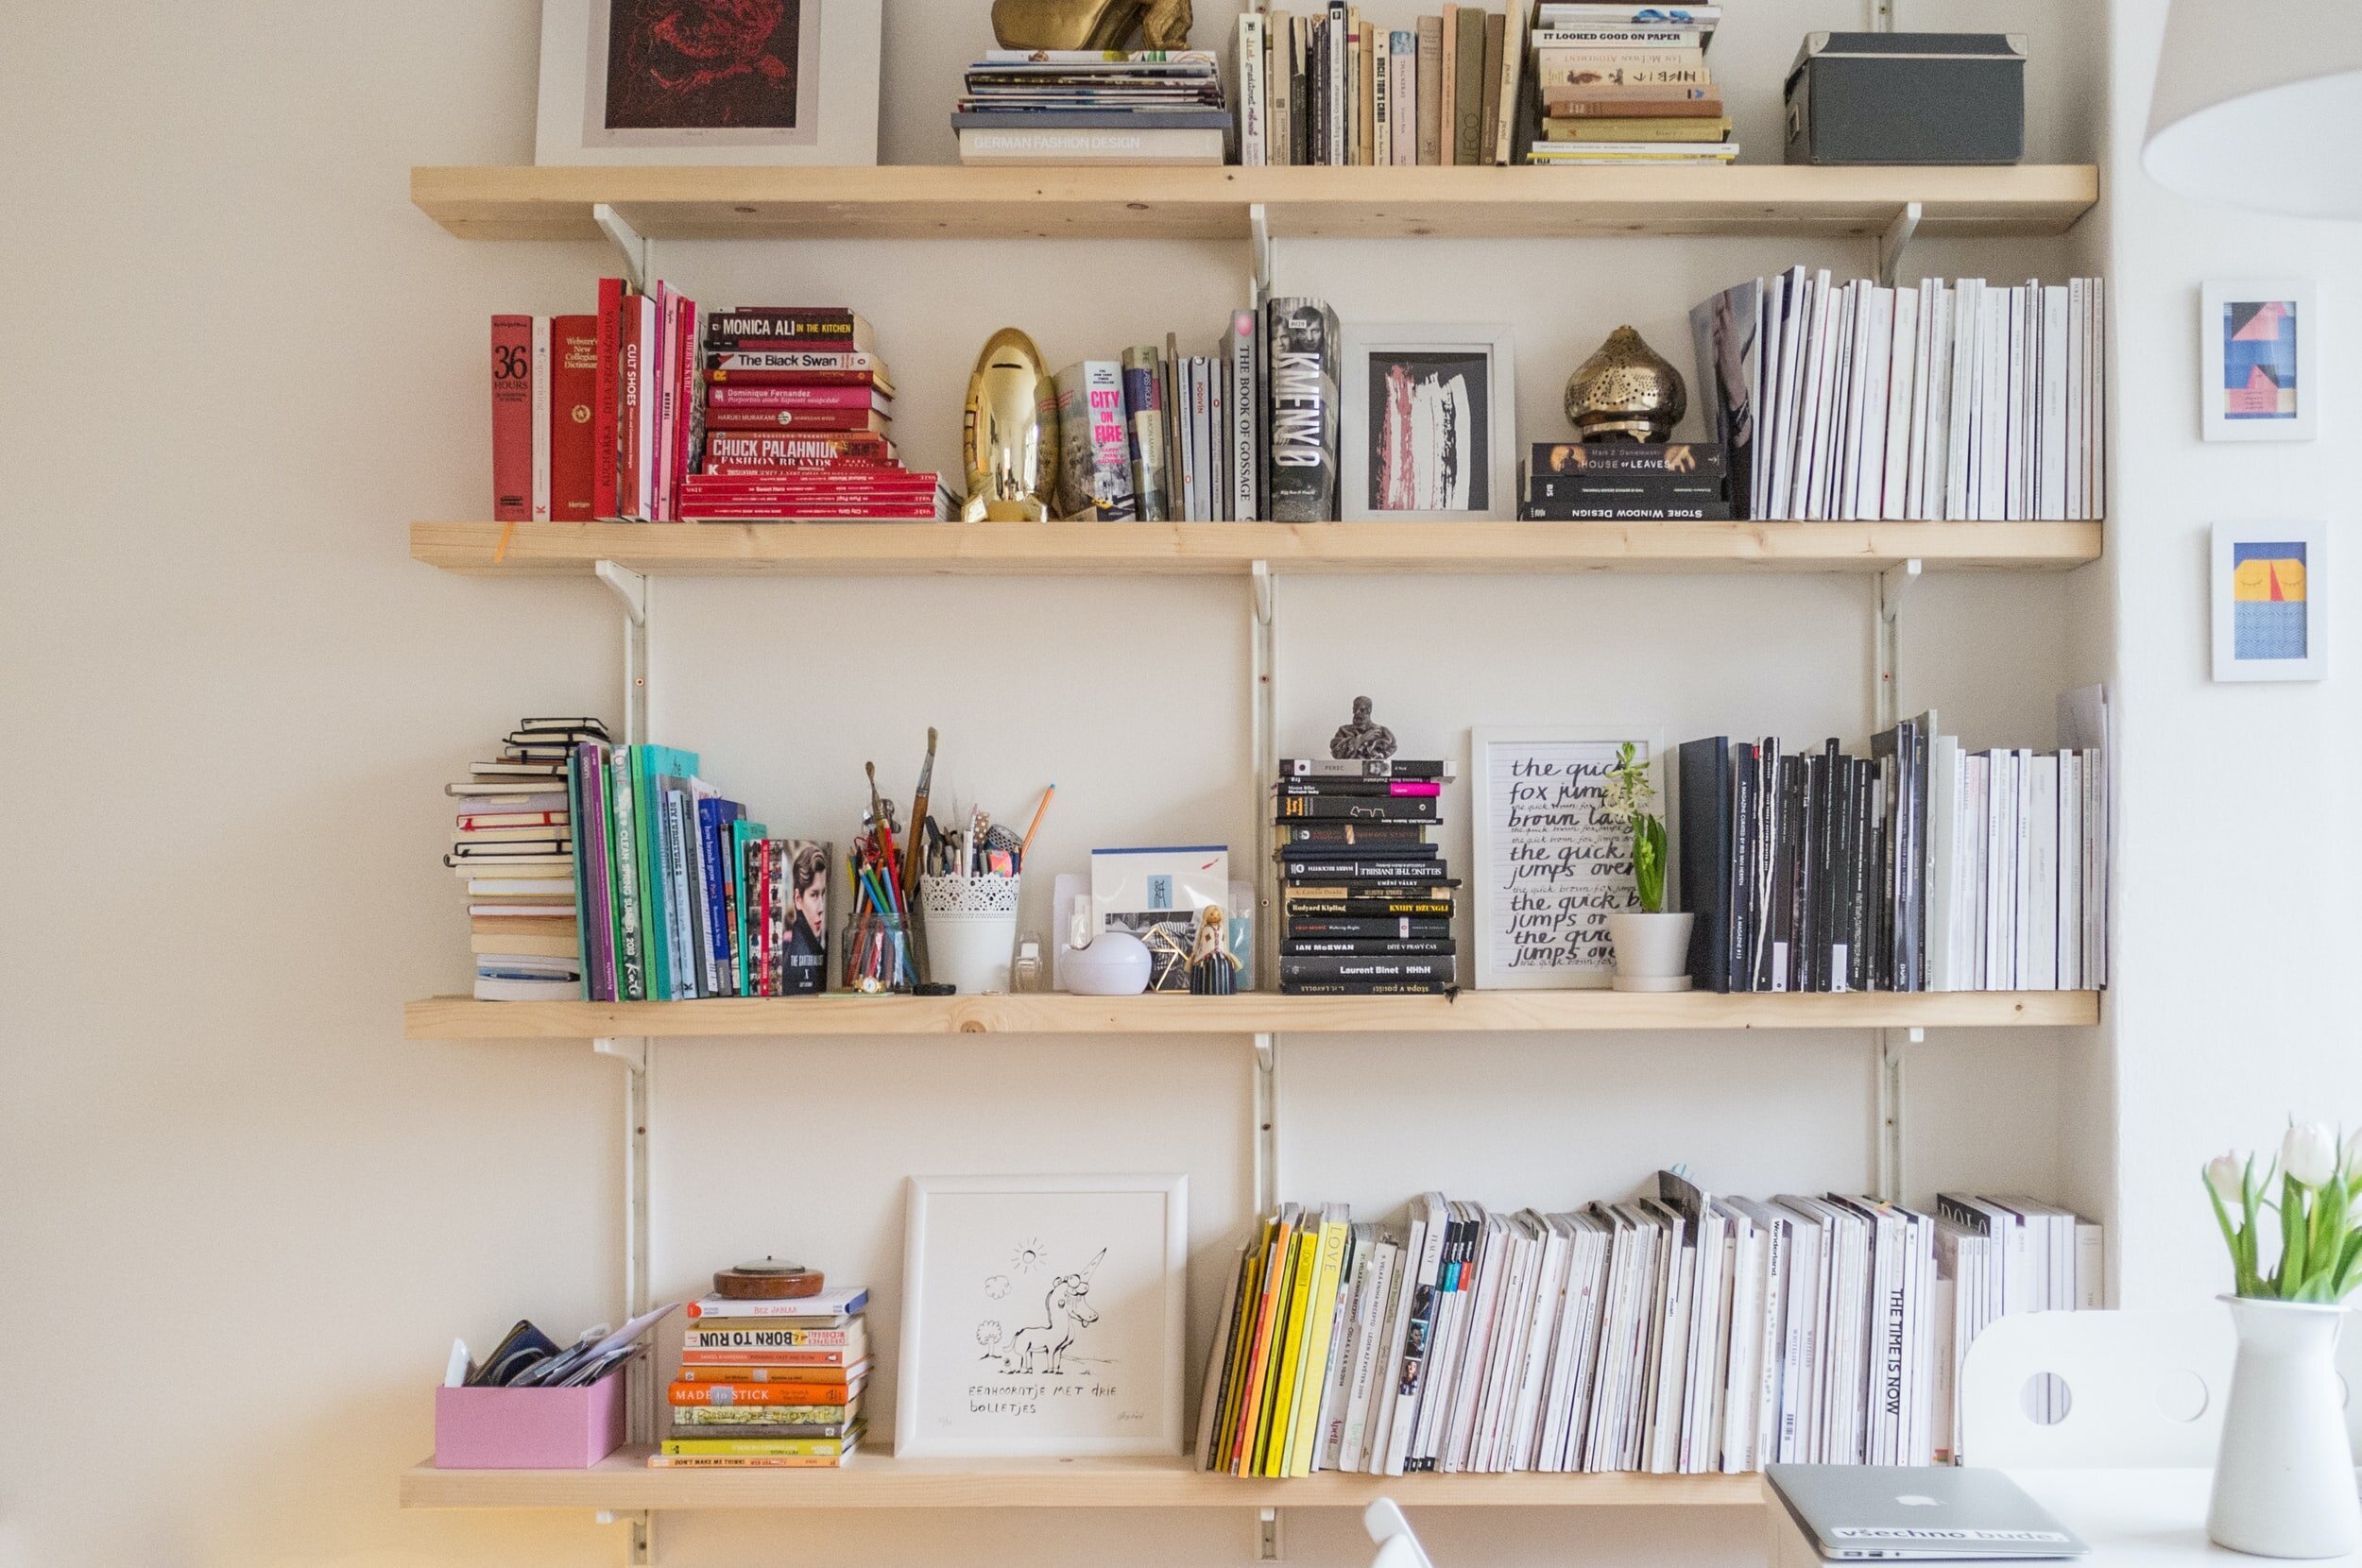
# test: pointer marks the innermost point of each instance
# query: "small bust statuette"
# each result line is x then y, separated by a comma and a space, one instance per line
1362, 741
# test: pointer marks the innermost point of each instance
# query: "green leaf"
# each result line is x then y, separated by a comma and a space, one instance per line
2292, 1238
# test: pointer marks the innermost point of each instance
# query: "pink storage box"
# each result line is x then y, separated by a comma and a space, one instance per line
529, 1428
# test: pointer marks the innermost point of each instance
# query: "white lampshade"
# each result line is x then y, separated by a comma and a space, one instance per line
2260, 105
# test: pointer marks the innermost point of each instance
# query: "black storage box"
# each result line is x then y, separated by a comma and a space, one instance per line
1907, 98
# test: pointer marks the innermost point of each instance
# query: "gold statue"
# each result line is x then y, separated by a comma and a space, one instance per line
1090, 23
1626, 392
1011, 432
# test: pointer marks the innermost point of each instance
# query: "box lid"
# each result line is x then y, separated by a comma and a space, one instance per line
1909, 46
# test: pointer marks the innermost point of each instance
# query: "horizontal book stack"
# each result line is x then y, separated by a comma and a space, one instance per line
1920, 867
1618, 84
799, 410
1366, 899
769, 1384
1064, 107
683, 894
513, 849
1604, 480
592, 415
1330, 86
1672, 1333
1966, 401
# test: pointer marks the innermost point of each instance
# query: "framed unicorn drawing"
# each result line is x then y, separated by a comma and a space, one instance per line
1042, 1315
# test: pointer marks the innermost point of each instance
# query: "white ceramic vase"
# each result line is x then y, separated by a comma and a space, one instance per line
2283, 1483
1651, 946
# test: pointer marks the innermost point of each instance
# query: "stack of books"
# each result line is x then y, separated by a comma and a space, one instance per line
683, 895
797, 407
1675, 1332
1920, 867
1621, 84
1058, 106
1854, 401
592, 415
769, 1384
513, 848
1329, 86
1366, 899
1603, 481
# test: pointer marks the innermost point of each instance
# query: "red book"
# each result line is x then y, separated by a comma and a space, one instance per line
627, 415
512, 419
734, 446
605, 409
574, 397
797, 397
685, 398
832, 420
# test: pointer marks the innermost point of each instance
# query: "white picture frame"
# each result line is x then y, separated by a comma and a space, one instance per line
836, 48
1572, 951
2256, 634
1095, 1265
2230, 326
1490, 405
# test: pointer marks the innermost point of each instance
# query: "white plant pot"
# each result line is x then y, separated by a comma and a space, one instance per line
1651, 946
2283, 1483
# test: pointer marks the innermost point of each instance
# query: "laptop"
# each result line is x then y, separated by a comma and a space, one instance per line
1857, 1513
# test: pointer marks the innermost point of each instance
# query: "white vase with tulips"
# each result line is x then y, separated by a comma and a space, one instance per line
2284, 1482
1652, 942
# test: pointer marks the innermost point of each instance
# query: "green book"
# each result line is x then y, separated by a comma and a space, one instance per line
649, 764
742, 888
622, 861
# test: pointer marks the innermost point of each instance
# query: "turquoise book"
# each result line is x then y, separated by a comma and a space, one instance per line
648, 765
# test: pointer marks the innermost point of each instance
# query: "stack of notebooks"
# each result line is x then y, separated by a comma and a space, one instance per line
1621, 84
1675, 1333
1920, 867
769, 1384
1366, 899
683, 895
513, 848
798, 409
1605, 481
1058, 106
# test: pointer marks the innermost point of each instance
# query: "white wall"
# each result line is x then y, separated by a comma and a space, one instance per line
239, 362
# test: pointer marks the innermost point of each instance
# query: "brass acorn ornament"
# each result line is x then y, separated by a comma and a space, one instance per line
1010, 440
1626, 392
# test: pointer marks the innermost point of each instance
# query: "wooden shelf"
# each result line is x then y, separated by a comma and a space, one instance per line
873, 1481
1230, 549
463, 1019
941, 202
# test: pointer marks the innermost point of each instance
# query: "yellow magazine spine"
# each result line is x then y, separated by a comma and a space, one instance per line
1307, 1263
1258, 1350
1268, 1409
1314, 1380
1241, 1341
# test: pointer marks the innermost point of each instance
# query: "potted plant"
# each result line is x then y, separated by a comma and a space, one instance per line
2283, 1483
1651, 943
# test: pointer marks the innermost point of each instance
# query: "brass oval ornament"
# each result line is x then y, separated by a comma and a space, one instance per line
1626, 392
1010, 434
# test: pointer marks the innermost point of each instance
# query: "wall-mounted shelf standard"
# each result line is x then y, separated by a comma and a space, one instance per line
939, 202
1494, 1012
1231, 549
623, 1481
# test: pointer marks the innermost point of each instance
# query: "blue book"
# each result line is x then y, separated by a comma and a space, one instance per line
713, 818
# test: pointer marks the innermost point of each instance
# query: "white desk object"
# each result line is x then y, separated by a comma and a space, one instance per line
2148, 1518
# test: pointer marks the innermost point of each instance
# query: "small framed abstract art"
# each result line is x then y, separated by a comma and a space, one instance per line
2270, 595
750, 82
2261, 378
1429, 432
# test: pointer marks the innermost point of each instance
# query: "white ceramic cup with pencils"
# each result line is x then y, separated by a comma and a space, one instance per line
971, 931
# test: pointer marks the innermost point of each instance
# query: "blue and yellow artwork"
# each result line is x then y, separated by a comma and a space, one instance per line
2267, 604
2259, 359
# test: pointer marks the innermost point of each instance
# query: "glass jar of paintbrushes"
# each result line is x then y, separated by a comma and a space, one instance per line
878, 957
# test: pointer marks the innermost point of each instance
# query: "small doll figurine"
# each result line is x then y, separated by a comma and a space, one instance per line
1213, 968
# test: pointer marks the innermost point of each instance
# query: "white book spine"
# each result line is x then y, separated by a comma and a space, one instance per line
541, 418
1992, 441
1245, 418
1252, 103
1923, 396
1402, 64
1903, 370
1958, 458
2070, 857
2077, 472
2055, 344
1338, 150
2097, 413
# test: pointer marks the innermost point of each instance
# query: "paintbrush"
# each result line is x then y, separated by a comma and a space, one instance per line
917, 818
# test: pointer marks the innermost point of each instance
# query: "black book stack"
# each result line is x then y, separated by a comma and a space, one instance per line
1366, 899
1608, 480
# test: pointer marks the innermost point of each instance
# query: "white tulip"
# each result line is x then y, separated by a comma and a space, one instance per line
2227, 1175
2308, 1153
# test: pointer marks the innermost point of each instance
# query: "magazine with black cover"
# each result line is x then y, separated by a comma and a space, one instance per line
1366, 768
1704, 771
1303, 411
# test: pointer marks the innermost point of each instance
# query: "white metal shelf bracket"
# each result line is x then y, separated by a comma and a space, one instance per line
1259, 235
1267, 1540
1893, 1179
1266, 1125
1262, 746
1894, 584
1898, 234
639, 252
632, 589
638, 1055
639, 1534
